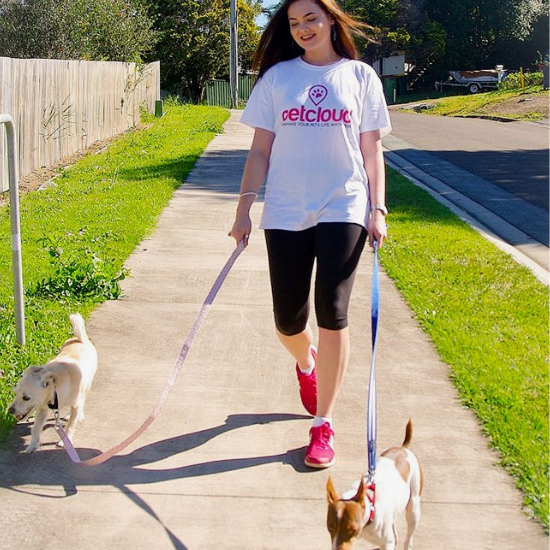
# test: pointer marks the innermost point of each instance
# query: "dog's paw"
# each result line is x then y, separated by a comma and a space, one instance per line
31, 448
60, 444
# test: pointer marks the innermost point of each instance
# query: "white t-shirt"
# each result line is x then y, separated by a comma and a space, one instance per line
317, 113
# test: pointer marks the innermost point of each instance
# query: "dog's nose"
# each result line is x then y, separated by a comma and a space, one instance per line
11, 410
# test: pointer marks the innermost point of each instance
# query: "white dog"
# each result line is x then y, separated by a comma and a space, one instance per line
360, 512
62, 383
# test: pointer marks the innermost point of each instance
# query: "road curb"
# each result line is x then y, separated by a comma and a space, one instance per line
440, 189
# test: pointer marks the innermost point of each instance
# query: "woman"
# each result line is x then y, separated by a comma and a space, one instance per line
318, 116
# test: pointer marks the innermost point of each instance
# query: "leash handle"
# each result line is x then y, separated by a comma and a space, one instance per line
103, 457
371, 403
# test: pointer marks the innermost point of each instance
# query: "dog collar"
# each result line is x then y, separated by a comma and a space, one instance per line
370, 493
55, 404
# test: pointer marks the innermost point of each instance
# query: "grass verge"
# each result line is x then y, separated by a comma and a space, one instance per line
497, 104
488, 318
77, 235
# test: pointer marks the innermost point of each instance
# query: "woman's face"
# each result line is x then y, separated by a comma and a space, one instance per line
310, 26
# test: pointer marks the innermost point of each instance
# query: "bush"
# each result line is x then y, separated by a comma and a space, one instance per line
513, 81
86, 277
99, 30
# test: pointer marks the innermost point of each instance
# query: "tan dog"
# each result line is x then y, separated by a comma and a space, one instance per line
398, 479
62, 383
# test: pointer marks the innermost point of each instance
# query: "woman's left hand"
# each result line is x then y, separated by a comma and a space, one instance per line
377, 229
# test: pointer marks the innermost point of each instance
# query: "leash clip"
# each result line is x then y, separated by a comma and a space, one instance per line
54, 406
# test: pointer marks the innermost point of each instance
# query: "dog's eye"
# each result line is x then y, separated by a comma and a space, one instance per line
26, 398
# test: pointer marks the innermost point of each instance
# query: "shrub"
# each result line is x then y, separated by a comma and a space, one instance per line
84, 277
513, 81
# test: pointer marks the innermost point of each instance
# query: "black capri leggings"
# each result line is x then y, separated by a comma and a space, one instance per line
337, 248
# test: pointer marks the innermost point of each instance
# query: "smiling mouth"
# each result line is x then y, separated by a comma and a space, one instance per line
307, 37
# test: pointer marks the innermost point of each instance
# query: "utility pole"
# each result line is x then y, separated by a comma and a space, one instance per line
233, 55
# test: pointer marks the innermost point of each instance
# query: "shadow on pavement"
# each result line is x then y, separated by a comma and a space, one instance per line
51, 467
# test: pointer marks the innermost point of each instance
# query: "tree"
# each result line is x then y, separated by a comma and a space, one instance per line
453, 34
398, 25
194, 41
116, 30
249, 36
483, 33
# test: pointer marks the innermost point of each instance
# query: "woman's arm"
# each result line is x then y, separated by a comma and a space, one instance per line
373, 158
254, 174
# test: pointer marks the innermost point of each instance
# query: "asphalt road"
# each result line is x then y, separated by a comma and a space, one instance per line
503, 166
512, 155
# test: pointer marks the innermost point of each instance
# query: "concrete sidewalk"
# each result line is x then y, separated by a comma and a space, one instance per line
222, 466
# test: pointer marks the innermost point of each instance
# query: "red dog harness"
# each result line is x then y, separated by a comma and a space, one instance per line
370, 493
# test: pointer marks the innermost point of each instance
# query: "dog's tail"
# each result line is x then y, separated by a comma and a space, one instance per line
79, 328
408, 433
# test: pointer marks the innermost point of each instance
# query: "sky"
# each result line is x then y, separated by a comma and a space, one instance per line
261, 21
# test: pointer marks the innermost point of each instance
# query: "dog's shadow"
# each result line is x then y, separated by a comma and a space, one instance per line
52, 467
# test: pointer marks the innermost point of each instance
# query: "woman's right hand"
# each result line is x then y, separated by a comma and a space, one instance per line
241, 229
255, 170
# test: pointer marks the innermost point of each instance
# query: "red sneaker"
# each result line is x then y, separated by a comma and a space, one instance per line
308, 386
320, 453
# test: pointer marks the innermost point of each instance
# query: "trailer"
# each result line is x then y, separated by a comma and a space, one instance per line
474, 81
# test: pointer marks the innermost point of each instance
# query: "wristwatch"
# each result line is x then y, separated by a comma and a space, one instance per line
379, 207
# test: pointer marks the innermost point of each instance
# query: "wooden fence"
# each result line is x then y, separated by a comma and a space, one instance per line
61, 107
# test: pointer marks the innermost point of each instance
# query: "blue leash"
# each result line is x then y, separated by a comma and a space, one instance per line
371, 404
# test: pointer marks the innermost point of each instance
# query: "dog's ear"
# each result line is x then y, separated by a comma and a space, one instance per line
360, 496
33, 371
332, 495
47, 379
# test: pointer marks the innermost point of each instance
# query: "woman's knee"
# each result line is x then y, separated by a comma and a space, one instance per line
291, 325
331, 317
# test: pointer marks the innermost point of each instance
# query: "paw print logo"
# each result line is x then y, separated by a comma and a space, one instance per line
317, 94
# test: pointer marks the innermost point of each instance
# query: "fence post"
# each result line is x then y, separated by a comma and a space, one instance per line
522, 80
15, 229
159, 108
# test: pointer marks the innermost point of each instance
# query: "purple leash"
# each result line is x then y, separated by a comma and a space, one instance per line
103, 457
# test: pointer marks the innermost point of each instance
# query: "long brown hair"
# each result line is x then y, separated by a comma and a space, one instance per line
277, 44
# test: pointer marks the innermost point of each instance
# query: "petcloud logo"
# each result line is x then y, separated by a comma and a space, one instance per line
317, 94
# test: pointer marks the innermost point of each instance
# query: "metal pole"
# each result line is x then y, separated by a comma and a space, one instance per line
15, 230
233, 54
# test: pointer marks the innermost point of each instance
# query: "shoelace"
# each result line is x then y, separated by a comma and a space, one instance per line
322, 435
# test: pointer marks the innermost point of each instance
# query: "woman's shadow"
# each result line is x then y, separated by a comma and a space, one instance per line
47, 468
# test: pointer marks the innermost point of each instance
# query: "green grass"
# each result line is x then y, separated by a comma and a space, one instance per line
77, 235
411, 97
488, 318
483, 104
